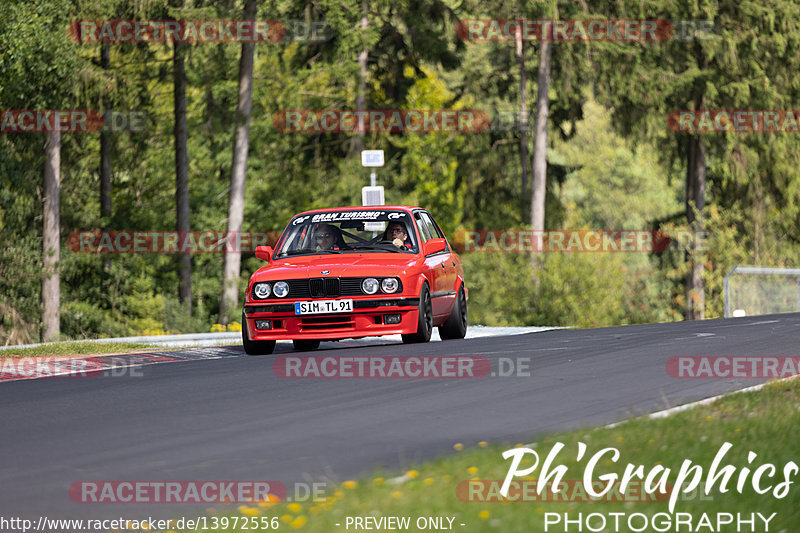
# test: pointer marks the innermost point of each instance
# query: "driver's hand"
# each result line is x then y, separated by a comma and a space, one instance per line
398, 243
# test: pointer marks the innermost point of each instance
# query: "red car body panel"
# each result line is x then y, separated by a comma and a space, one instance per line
442, 271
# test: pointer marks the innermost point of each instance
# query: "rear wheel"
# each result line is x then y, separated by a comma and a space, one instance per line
424, 320
456, 325
305, 345
255, 347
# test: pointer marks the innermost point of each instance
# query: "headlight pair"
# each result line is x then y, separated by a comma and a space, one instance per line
387, 285
263, 290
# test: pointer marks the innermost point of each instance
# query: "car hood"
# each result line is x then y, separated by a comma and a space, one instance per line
344, 265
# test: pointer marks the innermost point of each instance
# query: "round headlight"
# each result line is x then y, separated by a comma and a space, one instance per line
390, 285
280, 289
370, 285
261, 290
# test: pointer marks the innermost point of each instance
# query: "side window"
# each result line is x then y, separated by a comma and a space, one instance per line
424, 231
434, 229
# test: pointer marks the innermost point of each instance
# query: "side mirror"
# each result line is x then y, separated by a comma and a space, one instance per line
434, 246
264, 252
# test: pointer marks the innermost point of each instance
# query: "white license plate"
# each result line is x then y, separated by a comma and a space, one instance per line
319, 307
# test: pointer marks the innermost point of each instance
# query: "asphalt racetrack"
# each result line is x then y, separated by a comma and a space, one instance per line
232, 418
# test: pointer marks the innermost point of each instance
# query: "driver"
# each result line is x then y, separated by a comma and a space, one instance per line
328, 237
396, 232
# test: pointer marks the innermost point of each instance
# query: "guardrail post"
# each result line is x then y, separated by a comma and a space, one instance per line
726, 283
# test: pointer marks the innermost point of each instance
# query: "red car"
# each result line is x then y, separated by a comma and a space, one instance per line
355, 272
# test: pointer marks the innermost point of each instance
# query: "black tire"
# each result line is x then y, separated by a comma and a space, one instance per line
455, 327
305, 345
255, 347
425, 319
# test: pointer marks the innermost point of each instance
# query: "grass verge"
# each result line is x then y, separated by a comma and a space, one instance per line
74, 348
766, 422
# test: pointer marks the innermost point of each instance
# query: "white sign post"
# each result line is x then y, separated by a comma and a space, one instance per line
372, 195
372, 159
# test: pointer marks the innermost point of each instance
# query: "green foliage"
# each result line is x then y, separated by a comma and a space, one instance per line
612, 162
614, 186
569, 290
740, 64
38, 66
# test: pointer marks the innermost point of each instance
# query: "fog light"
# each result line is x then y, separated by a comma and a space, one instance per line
263, 324
391, 319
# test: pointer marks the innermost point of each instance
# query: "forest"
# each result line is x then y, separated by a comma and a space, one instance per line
230, 116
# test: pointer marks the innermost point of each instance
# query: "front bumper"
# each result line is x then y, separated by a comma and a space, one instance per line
366, 320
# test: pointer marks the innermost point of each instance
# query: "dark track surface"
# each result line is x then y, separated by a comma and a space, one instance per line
233, 419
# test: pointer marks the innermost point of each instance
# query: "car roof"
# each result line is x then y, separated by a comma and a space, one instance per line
360, 208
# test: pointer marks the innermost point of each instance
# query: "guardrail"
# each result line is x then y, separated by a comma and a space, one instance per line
771, 271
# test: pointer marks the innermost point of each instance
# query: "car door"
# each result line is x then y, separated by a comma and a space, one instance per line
442, 270
451, 269
435, 273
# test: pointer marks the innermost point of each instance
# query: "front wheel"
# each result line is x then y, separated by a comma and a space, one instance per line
255, 347
424, 320
456, 325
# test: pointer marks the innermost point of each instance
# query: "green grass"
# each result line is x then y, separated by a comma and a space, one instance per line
766, 422
73, 348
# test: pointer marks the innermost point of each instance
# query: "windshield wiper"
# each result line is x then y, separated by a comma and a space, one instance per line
309, 251
376, 246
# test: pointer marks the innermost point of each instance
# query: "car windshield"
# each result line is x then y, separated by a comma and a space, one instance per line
364, 230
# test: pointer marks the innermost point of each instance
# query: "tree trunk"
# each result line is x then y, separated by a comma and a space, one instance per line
361, 98
105, 149
232, 258
51, 238
523, 112
105, 156
182, 174
540, 144
695, 203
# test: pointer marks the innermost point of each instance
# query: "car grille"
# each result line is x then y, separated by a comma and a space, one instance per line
351, 286
298, 288
323, 287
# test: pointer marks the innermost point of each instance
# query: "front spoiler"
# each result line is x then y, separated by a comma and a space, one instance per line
365, 321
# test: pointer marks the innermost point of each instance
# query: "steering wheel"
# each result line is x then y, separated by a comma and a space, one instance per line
386, 241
